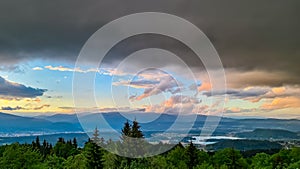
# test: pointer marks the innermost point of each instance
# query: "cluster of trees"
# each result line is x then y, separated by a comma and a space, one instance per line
67, 154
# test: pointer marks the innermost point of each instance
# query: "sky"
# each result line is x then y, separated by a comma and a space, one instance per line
257, 41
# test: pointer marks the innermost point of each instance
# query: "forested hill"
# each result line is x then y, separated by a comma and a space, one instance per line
269, 134
245, 145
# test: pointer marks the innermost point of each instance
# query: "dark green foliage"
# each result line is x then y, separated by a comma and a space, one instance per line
45, 149
54, 162
260, 160
230, 158
126, 131
294, 165
251, 153
192, 155
131, 130
132, 143
75, 143
135, 130
110, 160
281, 159
64, 149
174, 155
18, 156
37, 143
159, 162
93, 154
245, 145
78, 161
195, 157
67, 155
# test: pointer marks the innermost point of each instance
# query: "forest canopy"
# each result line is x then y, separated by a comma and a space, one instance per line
66, 154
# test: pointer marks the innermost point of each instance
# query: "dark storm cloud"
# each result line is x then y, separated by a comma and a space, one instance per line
255, 92
10, 90
249, 35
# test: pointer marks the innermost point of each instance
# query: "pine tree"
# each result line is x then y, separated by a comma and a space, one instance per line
126, 142
192, 154
75, 143
93, 154
135, 130
126, 131
132, 130
95, 137
133, 143
37, 143
61, 140
45, 149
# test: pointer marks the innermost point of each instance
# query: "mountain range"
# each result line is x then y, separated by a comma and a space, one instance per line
67, 123
13, 124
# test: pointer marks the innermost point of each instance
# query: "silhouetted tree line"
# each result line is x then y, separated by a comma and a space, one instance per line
66, 154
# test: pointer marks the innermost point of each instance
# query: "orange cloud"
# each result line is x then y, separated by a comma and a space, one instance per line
282, 103
176, 103
33, 100
169, 103
235, 109
154, 108
205, 86
278, 90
